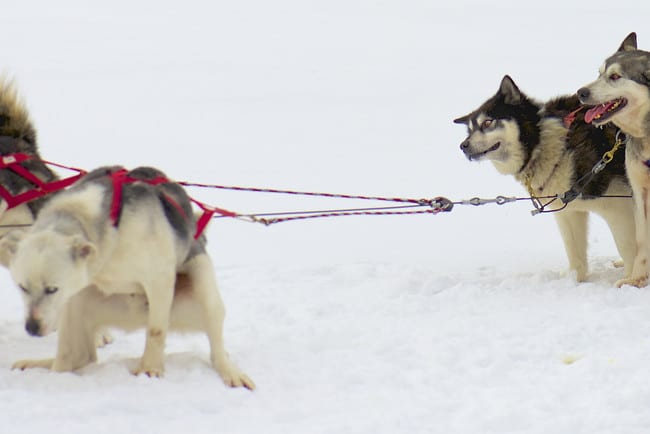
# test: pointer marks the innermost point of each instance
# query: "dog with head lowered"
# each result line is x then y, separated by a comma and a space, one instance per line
117, 249
24, 176
621, 96
547, 147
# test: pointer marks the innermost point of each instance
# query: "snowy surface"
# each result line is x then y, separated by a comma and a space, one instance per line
459, 323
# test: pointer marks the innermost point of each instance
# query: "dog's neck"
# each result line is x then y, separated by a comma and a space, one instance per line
638, 148
546, 157
66, 223
636, 124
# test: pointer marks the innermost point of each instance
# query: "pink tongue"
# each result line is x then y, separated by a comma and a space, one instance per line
595, 111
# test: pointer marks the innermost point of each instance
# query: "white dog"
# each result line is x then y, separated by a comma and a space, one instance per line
118, 249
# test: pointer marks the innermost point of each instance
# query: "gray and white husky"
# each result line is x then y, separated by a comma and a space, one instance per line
621, 95
91, 261
547, 147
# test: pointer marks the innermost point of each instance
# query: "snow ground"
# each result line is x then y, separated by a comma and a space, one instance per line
459, 323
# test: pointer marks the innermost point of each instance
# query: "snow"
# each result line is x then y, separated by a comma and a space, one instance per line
464, 322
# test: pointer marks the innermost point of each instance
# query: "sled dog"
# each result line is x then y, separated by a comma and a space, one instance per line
117, 249
547, 147
18, 135
621, 96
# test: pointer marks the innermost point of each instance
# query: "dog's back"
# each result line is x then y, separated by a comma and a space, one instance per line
139, 191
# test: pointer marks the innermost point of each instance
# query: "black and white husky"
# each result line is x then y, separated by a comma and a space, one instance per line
621, 95
18, 135
112, 253
547, 147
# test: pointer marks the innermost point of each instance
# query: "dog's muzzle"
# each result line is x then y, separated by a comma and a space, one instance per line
464, 146
33, 327
583, 95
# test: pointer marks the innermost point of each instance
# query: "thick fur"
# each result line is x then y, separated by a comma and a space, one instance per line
80, 272
621, 95
530, 141
17, 134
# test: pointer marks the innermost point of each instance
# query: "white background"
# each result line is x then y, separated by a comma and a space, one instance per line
455, 323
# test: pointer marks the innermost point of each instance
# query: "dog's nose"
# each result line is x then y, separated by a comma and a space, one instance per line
583, 93
465, 145
33, 327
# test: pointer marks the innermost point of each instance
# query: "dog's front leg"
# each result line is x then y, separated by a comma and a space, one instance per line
573, 228
619, 215
30, 364
76, 345
639, 276
160, 294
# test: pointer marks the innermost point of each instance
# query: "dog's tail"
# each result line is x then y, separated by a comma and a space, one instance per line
14, 117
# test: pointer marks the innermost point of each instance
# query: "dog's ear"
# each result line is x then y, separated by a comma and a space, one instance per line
9, 245
629, 43
510, 91
463, 119
81, 249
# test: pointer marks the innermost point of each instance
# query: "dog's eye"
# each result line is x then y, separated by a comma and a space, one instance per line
486, 123
614, 76
49, 290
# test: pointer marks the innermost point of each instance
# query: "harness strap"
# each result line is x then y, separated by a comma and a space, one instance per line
121, 177
13, 162
571, 117
208, 212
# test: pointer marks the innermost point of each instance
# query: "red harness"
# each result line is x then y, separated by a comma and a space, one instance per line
118, 178
41, 188
121, 177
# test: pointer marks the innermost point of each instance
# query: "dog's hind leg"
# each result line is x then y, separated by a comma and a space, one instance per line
573, 228
160, 293
204, 285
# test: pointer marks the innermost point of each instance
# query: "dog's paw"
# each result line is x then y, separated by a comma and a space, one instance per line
30, 364
149, 371
639, 281
238, 379
233, 377
102, 339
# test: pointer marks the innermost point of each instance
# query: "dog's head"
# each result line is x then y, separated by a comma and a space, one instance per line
49, 268
621, 94
502, 129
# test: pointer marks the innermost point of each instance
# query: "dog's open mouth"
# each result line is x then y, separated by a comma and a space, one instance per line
478, 155
604, 111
